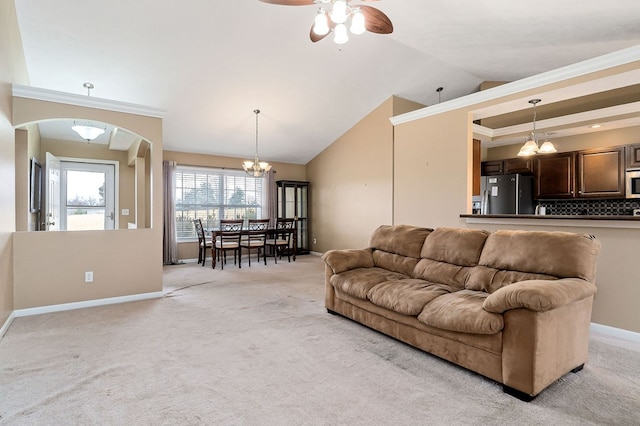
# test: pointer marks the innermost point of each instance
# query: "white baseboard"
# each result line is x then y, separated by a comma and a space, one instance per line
6, 324
618, 333
86, 304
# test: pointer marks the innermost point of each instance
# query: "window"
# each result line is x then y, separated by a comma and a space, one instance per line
214, 194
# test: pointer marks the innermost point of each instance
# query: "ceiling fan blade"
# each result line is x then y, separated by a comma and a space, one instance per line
289, 2
315, 37
376, 21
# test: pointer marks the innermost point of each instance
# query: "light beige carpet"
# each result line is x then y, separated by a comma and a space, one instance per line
256, 347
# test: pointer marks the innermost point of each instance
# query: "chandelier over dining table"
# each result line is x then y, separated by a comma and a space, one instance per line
256, 168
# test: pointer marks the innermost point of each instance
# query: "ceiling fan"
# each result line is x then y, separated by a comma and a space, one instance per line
362, 18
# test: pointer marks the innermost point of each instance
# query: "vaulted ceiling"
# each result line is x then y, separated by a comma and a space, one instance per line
209, 64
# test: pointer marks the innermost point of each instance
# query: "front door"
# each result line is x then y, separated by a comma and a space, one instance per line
51, 220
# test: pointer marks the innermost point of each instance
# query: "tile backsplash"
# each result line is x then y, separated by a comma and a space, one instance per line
590, 207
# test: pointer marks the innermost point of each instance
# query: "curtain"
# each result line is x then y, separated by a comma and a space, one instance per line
272, 195
169, 240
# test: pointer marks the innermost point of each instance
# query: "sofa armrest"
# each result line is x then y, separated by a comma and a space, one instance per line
345, 260
539, 295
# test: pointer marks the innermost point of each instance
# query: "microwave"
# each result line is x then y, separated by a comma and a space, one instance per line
633, 183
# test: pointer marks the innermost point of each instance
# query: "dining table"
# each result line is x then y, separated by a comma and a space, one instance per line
212, 232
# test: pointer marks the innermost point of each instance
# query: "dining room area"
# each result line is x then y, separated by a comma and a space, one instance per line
220, 216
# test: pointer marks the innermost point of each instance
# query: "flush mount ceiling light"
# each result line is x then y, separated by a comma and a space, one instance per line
87, 131
338, 15
530, 146
256, 168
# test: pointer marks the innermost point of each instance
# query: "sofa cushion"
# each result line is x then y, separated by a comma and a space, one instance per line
441, 272
456, 246
482, 278
407, 296
357, 282
394, 262
559, 254
404, 240
461, 311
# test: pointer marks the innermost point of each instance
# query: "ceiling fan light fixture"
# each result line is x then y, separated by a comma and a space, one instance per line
357, 22
321, 26
340, 34
339, 12
87, 131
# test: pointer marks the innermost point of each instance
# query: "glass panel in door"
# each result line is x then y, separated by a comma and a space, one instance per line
87, 196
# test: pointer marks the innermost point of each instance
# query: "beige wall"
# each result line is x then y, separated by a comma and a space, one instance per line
124, 262
284, 171
432, 160
80, 150
352, 181
595, 139
432, 187
12, 70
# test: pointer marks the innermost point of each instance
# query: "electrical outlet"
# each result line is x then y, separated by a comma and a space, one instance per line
125, 212
315, 241
88, 277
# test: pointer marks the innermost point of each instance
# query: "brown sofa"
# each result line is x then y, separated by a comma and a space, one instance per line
514, 306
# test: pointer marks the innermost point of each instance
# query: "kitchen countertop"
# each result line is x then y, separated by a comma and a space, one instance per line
549, 216
558, 221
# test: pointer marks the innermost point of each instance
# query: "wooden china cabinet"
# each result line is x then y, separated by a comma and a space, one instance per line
293, 203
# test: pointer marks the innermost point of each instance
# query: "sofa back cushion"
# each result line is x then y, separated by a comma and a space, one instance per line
403, 240
457, 246
433, 271
482, 278
394, 262
510, 256
448, 254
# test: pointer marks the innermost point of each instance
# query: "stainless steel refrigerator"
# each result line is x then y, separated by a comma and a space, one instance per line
507, 194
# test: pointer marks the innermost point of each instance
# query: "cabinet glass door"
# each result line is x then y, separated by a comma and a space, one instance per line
293, 198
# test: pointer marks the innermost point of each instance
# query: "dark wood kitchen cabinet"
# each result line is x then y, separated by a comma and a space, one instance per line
491, 168
554, 175
633, 156
600, 173
522, 165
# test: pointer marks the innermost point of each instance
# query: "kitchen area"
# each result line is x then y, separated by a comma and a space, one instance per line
578, 159
595, 183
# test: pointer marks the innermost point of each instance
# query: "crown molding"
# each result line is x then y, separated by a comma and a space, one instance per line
588, 66
40, 94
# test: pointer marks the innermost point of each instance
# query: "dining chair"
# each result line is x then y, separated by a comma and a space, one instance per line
203, 244
227, 238
255, 238
281, 240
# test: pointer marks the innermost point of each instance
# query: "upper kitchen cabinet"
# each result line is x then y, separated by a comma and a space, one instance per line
600, 173
633, 156
491, 168
522, 165
554, 175
510, 165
